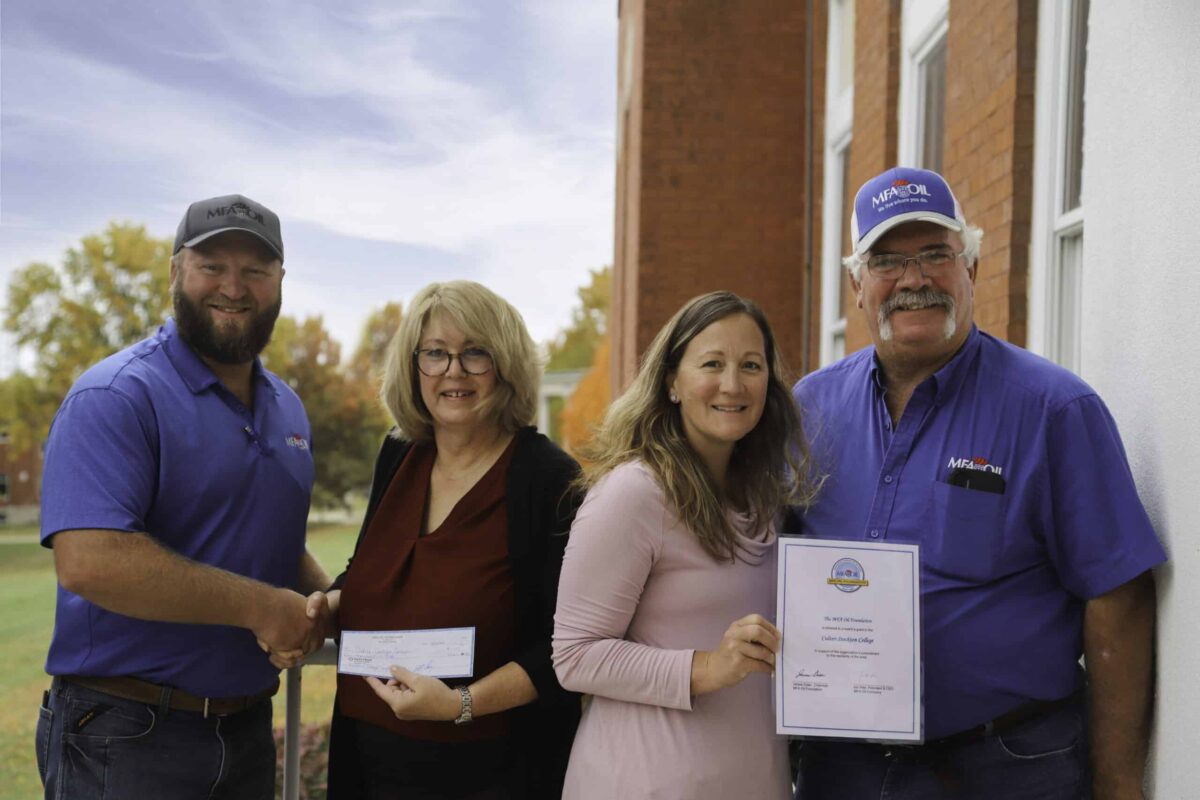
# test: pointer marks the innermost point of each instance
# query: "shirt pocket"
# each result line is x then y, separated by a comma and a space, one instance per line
968, 532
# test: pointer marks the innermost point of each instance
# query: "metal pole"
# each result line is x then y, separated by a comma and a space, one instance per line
291, 729
291, 737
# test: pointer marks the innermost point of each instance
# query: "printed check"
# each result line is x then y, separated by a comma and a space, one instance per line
438, 652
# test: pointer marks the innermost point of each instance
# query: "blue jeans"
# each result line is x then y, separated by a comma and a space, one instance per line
1043, 758
93, 746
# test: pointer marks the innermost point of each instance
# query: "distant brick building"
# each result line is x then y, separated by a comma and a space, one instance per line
19, 480
746, 128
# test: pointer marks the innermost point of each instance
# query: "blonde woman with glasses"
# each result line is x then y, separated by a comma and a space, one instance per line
465, 527
668, 582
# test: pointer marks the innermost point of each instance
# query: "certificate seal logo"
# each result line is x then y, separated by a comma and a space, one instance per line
847, 575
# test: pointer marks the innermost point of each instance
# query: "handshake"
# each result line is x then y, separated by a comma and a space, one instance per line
289, 626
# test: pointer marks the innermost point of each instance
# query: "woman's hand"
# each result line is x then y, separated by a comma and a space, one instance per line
418, 697
749, 645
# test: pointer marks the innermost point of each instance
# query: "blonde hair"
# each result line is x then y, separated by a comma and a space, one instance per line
487, 320
769, 468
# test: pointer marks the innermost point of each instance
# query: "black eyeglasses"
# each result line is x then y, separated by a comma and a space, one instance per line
933, 263
435, 362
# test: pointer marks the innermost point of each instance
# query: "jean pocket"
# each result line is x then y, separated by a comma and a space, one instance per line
42, 738
107, 722
968, 532
1055, 734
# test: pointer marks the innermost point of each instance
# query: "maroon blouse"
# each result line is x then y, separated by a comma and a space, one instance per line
456, 576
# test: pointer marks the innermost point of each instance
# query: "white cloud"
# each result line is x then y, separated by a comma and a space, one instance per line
526, 197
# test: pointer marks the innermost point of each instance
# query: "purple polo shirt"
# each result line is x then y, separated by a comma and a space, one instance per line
149, 440
1004, 577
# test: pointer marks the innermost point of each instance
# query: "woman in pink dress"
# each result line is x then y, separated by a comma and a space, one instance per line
668, 581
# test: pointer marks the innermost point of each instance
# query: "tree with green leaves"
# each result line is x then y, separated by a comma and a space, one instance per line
346, 425
575, 346
381, 325
108, 293
113, 291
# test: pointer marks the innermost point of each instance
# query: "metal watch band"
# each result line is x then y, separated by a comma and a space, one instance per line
466, 714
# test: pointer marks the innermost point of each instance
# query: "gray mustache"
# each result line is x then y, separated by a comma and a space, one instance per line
919, 298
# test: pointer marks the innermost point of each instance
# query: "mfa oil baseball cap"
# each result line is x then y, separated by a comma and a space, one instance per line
900, 195
231, 212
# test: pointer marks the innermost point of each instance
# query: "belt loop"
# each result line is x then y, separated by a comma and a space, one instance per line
206, 708
164, 702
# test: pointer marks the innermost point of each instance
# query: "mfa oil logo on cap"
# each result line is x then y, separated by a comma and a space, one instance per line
237, 209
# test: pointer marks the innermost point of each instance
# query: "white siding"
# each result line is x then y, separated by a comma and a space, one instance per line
1141, 315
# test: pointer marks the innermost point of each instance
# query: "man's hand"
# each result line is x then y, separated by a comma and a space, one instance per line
283, 627
320, 615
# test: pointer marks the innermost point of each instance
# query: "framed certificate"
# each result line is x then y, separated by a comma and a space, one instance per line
850, 663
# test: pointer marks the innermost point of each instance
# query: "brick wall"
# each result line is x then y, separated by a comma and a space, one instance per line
876, 121
991, 58
716, 127
711, 184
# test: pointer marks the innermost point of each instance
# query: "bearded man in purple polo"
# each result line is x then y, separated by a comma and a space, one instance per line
175, 495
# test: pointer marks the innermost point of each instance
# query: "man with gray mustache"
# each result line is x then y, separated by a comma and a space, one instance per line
1035, 549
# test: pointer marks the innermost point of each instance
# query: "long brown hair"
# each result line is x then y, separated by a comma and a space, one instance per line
769, 468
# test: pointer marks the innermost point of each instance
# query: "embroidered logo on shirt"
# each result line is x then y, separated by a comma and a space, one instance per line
297, 441
976, 462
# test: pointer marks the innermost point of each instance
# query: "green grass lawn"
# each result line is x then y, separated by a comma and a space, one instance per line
27, 590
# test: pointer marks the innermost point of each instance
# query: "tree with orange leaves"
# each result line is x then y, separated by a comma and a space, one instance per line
589, 401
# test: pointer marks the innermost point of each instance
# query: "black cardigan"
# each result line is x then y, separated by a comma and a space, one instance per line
540, 509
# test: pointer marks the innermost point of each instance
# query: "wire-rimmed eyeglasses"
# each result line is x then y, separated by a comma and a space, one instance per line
933, 263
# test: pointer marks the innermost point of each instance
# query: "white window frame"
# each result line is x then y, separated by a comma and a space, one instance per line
1051, 309
839, 123
924, 25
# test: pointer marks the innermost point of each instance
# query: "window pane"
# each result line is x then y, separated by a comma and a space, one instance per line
1067, 289
933, 96
1076, 70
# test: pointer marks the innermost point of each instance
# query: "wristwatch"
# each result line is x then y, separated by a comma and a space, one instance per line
466, 714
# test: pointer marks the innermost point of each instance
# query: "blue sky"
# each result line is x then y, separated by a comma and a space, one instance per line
399, 142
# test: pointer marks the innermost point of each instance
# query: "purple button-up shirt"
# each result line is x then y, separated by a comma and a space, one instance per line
1004, 576
149, 440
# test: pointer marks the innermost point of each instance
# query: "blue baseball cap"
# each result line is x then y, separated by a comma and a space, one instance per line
900, 195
